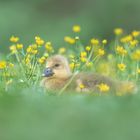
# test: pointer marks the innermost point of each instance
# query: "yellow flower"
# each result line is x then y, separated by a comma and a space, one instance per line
32, 49
62, 50
27, 59
2, 64
121, 66
101, 52
13, 49
103, 87
83, 59
76, 28
49, 47
29, 49
135, 33
136, 55
34, 52
19, 46
34, 46
134, 43
126, 39
14, 39
39, 41
72, 65
118, 31
69, 40
81, 86
83, 54
94, 41
88, 48
120, 50
104, 41
42, 60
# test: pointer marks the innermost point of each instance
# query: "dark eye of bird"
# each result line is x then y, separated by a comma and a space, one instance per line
57, 65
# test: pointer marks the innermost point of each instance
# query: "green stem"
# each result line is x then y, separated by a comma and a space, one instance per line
20, 64
91, 53
67, 84
137, 67
33, 69
122, 59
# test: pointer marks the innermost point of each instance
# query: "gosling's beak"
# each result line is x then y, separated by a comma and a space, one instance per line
48, 72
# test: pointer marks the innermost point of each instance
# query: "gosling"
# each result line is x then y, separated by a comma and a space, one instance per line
57, 75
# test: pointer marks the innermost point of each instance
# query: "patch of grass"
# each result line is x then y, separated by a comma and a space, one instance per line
119, 58
67, 117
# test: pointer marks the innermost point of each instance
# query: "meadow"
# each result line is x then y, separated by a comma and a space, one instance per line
27, 111
119, 59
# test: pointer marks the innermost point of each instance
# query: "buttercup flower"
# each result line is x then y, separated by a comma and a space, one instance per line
76, 28
27, 59
120, 50
39, 41
13, 49
126, 39
29, 49
72, 65
42, 60
69, 40
103, 87
95, 42
62, 50
118, 31
121, 66
83, 59
81, 86
83, 54
88, 48
14, 39
101, 52
49, 47
2, 64
136, 55
104, 41
34, 52
134, 43
19, 46
135, 33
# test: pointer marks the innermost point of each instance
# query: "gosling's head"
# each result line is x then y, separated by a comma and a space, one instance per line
57, 67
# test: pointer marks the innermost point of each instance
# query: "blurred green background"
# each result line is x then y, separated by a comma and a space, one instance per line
53, 19
69, 118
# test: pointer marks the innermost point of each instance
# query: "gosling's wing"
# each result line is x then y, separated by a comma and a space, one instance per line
92, 80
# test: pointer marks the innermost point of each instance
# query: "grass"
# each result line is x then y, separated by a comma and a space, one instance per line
27, 111
67, 117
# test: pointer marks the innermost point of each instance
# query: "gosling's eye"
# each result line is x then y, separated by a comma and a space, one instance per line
57, 65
